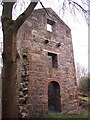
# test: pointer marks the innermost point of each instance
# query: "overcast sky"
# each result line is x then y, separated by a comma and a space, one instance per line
79, 30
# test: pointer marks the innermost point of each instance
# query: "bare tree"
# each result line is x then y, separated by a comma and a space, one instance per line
76, 6
10, 28
81, 71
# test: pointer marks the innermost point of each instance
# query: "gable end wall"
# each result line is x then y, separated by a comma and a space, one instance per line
34, 69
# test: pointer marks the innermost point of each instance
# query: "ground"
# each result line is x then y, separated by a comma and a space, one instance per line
66, 116
83, 111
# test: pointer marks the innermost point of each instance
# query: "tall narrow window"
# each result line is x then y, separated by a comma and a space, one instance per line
53, 60
50, 24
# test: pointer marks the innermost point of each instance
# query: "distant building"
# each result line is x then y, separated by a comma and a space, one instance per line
46, 75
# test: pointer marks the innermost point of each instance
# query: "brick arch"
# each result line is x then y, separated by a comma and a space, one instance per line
54, 99
51, 80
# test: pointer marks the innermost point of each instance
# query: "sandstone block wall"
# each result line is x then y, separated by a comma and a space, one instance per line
45, 57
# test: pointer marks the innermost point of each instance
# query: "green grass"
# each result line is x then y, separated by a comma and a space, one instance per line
66, 116
82, 116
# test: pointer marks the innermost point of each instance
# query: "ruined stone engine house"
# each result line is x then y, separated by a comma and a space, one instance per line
46, 78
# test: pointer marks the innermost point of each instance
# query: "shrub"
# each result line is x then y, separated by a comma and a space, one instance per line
84, 85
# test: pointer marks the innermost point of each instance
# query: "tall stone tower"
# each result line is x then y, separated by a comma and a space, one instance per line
46, 78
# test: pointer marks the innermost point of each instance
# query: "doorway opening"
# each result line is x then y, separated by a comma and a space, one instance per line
54, 99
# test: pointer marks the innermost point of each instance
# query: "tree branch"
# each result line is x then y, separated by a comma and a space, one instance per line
20, 20
75, 3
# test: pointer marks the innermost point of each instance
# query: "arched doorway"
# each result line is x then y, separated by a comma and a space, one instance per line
54, 100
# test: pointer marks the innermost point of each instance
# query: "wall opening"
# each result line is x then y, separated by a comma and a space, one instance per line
50, 24
53, 60
54, 99
49, 27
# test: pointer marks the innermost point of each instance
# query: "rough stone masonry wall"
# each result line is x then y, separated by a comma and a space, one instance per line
32, 36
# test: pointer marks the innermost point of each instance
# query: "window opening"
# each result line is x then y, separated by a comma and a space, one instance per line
49, 27
50, 24
53, 60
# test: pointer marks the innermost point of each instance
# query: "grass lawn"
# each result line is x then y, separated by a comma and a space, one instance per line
82, 116
66, 116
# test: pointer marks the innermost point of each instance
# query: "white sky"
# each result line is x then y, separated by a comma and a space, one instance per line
79, 30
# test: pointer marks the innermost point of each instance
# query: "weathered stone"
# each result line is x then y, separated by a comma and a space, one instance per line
46, 70
23, 115
21, 94
22, 100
